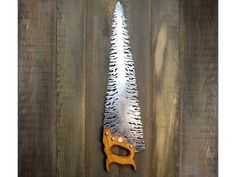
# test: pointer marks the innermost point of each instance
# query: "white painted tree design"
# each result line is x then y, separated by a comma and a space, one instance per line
122, 111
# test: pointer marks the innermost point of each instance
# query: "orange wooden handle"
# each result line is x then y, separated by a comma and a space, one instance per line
109, 141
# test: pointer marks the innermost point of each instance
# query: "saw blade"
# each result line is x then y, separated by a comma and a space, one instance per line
122, 110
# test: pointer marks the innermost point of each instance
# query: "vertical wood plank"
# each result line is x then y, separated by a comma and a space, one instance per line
198, 44
37, 113
165, 53
99, 16
71, 41
138, 14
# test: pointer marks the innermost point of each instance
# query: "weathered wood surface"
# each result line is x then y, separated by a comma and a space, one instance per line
165, 55
70, 78
63, 66
37, 88
99, 15
198, 105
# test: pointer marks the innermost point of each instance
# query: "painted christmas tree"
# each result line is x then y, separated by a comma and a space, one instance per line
122, 111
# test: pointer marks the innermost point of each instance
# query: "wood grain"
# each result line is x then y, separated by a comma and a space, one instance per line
99, 16
198, 107
165, 54
37, 111
71, 42
139, 26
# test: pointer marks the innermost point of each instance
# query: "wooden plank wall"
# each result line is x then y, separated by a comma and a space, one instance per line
63, 65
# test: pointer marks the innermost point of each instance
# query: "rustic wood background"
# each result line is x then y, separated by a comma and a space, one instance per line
63, 65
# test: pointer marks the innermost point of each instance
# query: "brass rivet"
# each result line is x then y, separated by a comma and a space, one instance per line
112, 138
131, 146
106, 133
120, 139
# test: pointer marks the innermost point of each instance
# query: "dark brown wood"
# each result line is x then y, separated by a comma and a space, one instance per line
37, 88
99, 16
139, 25
70, 76
63, 65
198, 106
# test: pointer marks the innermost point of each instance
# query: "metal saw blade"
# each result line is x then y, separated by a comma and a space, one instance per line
122, 110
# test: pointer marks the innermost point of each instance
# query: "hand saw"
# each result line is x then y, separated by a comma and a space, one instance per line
122, 124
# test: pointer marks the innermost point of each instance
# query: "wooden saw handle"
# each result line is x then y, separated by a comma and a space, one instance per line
109, 141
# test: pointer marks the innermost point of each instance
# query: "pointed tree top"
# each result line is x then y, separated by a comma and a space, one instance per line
119, 6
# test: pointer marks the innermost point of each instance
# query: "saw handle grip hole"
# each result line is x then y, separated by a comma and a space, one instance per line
117, 150
121, 151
